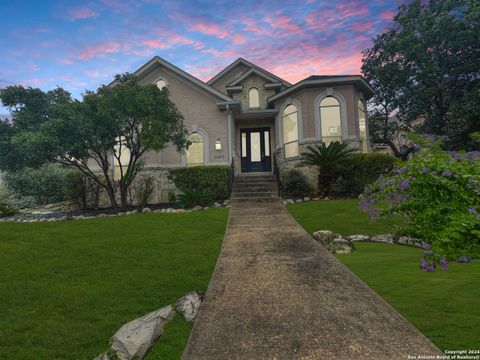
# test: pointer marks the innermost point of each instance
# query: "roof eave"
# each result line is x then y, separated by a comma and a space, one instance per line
355, 80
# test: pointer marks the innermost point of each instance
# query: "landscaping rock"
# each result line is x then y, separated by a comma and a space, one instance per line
217, 205
299, 200
407, 240
358, 237
189, 305
136, 337
385, 238
323, 235
196, 208
226, 202
146, 210
333, 242
306, 198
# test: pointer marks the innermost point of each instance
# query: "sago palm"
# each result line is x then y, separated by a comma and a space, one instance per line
330, 160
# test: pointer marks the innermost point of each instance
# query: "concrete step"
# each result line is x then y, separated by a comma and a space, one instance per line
253, 194
275, 199
254, 188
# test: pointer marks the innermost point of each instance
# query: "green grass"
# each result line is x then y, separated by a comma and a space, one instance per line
443, 305
67, 287
341, 216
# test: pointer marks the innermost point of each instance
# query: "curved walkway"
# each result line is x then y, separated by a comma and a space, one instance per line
277, 294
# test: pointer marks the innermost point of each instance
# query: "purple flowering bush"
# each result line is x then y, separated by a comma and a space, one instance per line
439, 195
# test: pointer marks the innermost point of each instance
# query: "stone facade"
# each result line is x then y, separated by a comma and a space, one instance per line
253, 81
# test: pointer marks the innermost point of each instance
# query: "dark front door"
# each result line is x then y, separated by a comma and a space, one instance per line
255, 147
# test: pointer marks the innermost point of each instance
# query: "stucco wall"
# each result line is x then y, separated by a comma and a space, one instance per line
253, 81
199, 111
307, 98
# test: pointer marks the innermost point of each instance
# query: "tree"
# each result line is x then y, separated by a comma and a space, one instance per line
427, 65
109, 130
330, 161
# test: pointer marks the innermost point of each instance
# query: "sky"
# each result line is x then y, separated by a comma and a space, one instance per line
80, 45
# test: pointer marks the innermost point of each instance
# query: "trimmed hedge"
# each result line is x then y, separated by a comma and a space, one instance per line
44, 184
203, 178
295, 184
363, 170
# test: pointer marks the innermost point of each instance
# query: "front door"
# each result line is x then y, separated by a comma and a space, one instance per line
255, 144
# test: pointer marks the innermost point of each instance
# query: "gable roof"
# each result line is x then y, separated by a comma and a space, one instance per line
250, 72
325, 80
204, 86
262, 72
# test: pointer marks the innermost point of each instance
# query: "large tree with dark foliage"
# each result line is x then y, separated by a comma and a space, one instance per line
427, 64
111, 127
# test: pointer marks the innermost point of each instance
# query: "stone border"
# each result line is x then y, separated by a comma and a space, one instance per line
146, 210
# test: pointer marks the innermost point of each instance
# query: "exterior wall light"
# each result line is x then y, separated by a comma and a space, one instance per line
218, 145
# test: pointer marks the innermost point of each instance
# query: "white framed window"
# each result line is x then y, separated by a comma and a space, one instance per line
330, 120
196, 150
290, 131
253, 98
121, 158
362, 126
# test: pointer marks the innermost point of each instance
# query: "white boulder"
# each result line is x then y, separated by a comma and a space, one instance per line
136, 337
189, 305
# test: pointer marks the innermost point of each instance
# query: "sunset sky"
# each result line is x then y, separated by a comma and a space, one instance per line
80, 45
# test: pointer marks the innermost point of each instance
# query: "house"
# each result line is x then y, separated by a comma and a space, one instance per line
248, 116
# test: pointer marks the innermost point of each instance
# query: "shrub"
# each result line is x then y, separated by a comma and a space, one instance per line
6, 206
439, 195
172, 197
195, 197
44, 184
329, 160
143, 189
81, 190
362, 170
214, 178
294, 184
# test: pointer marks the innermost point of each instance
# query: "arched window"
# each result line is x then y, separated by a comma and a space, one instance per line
290, 131
362, 126
161, 84
196, 150
330, 119
253, 98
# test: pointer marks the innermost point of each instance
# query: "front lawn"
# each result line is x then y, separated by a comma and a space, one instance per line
443, 305
341, 216
67, 287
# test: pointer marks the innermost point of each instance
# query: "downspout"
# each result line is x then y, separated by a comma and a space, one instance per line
229, 130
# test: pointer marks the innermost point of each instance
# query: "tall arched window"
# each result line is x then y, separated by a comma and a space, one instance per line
290, 131
362, 126
253, 98
330, 119
196, 150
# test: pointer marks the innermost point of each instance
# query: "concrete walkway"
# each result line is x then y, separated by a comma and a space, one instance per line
277, 294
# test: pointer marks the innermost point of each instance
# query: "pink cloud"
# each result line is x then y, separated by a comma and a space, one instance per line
93, 74
387, 15
100, 49
284, 23
209, 29
361, 27
239, 39
67, 61
155, 44
251, 25
81, 13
